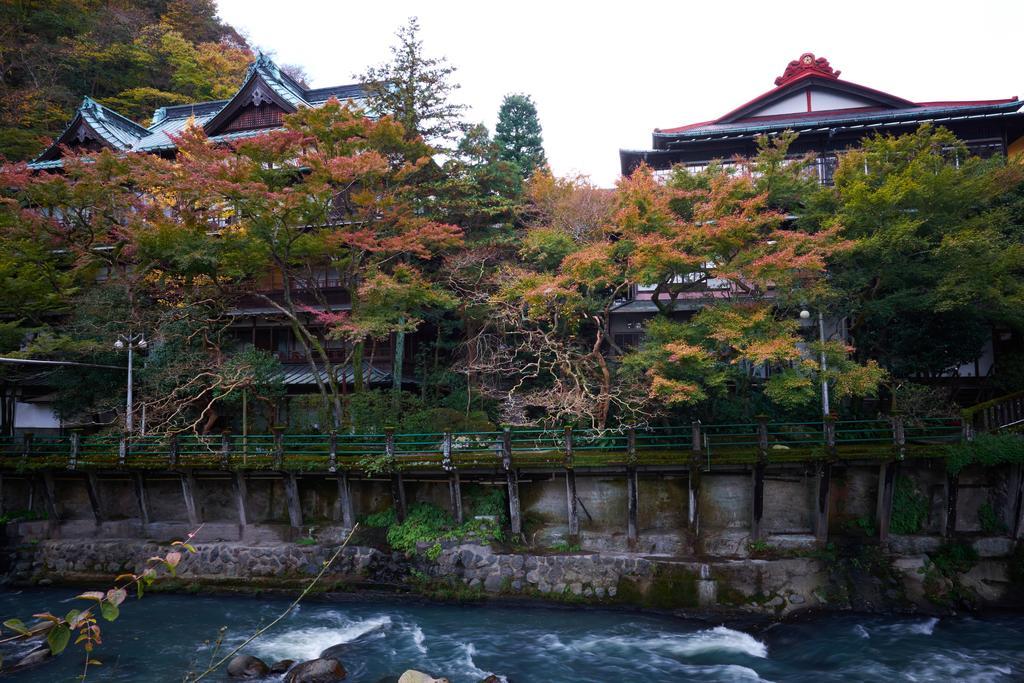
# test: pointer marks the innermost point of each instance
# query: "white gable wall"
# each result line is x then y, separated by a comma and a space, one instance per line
824, 100
821, 100
795, 103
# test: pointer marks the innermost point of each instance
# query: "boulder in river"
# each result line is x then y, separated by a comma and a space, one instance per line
317, 671
413, 676
281, 666
246, 666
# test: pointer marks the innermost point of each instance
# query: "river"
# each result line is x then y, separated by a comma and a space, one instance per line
163, 636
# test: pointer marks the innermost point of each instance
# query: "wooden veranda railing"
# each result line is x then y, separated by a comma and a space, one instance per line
998, 414
724, 444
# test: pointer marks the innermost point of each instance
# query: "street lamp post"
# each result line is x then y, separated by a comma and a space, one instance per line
131, 342
805, 315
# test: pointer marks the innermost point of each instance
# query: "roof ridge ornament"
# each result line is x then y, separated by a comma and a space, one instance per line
807, 63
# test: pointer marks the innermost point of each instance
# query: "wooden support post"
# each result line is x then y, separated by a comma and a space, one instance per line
454, 485
757, 480
693, 485
1015, 503
332, 455
952, 491
122, 451
141, 498
50, 499
75, 447
512, 480
172, 451
241, 496
188, 485
886, 485
348, 517
823, 470
291, 494
26, 447
278, 449
570, 488
225, 449
397, 486
92, 488
632, 496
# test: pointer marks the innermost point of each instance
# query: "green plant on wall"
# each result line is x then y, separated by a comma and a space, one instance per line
986, 450
989, 520
909, 508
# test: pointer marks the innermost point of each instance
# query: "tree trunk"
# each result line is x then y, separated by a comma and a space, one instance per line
396, 369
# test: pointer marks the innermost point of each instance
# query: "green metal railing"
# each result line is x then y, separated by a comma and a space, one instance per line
724, 444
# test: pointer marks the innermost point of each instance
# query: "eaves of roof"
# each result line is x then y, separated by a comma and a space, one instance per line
836, 120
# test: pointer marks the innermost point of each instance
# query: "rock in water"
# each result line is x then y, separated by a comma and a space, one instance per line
317, 671
412, 676
244, 666
282, 666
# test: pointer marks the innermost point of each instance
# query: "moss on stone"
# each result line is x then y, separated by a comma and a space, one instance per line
670, 587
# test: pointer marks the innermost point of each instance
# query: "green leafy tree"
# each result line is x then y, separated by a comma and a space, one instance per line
518, 134
133, 56
937, 252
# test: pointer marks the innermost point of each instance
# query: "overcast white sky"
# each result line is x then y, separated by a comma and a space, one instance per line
604, 75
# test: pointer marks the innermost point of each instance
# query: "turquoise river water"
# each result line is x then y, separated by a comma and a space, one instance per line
164, 636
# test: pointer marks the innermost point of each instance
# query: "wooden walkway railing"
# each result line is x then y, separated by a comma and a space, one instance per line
1000, 413
521, 448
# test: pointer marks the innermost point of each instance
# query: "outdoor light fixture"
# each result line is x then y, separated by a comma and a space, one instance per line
132, 342
806, 315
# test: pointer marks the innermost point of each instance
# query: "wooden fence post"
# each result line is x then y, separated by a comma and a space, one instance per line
512, 480
172, 451
122, 451
74, 448
332, 455
899, 437
225, 449
570, 488
278, 448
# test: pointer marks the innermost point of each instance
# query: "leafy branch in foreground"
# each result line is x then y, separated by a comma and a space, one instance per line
59, 630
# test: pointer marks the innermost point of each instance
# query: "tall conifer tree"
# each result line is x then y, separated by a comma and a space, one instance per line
416, 90
518, 134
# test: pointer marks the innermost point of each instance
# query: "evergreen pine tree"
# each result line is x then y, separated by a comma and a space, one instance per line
415, 90
518, 134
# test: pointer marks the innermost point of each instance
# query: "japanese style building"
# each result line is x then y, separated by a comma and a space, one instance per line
264, 97
267, 93
829, 114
